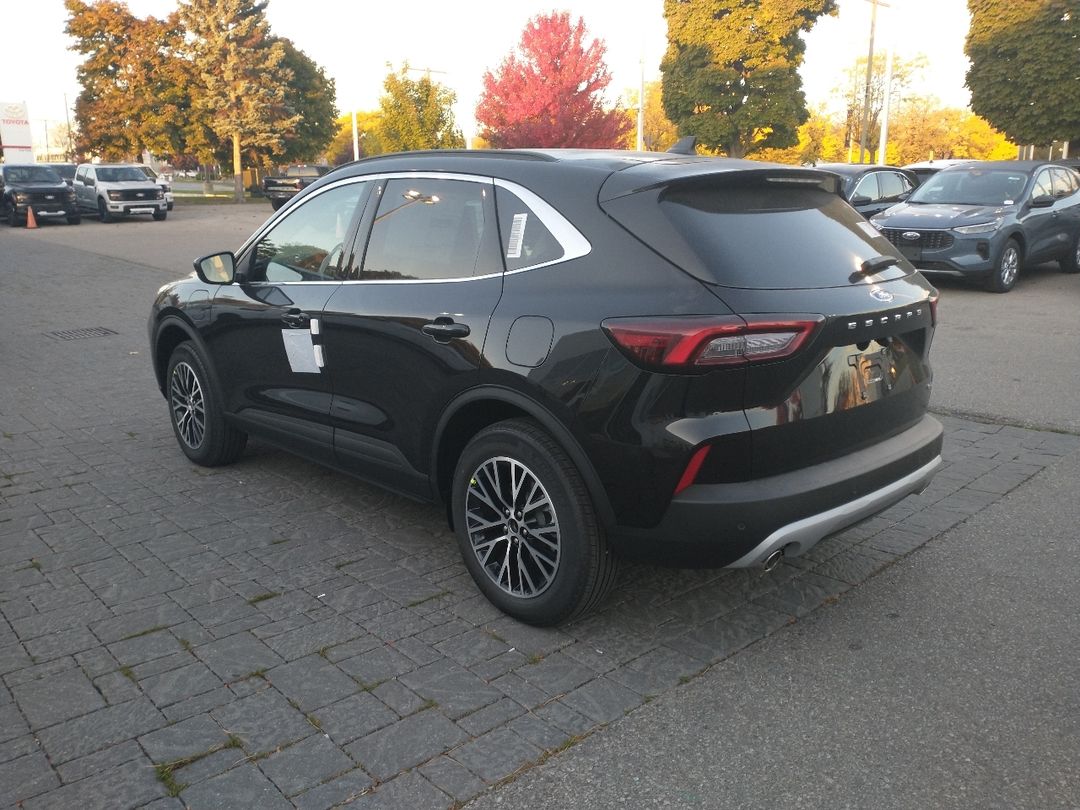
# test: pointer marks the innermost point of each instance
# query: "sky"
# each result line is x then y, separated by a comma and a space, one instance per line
459, 41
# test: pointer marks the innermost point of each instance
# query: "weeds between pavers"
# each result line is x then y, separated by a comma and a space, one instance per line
166, 770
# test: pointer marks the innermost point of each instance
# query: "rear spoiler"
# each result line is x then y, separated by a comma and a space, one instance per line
712, 171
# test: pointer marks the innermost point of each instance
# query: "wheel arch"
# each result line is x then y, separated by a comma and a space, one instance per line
477, 408
170, 332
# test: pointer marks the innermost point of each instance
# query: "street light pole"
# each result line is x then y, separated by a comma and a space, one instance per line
869, 78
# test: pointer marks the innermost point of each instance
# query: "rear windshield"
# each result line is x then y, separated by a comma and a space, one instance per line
302, 171
758, 234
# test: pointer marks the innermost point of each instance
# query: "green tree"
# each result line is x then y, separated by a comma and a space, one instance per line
310, 94
134, 94
731, 70
239, 79
1025, 60
417, 114
367, 130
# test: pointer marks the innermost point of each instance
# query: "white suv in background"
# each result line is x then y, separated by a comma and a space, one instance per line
117, 190
162, 180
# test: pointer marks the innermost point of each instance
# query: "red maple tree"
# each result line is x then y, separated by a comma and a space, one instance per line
549, 92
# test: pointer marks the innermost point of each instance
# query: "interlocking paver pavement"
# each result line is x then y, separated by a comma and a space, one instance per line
271, 634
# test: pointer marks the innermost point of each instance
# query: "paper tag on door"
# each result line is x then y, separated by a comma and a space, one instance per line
300, 351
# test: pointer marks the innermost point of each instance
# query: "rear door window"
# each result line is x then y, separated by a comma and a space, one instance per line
867, 187
1064, 183
892, 185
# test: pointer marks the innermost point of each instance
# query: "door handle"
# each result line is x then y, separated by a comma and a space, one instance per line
443, 329
295, 318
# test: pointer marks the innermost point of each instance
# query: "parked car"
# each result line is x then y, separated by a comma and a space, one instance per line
282, 188
35, 186
985, 221
118, 190
581, 354
869, 188
161, 180
66, 171
1072, 163
926, 168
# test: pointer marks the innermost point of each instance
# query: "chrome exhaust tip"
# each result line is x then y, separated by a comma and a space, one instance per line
772, 560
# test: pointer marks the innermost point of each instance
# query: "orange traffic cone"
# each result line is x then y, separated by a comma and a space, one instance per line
31, 220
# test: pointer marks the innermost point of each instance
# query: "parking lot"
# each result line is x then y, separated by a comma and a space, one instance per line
271, 634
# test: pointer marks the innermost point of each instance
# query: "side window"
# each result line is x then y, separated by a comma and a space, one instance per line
309, 243
867, 187
892, 185
1064, 185
80, 175
430, 229
1043, 186
525, 239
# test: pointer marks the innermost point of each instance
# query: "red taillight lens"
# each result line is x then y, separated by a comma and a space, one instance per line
700, 341
692, 469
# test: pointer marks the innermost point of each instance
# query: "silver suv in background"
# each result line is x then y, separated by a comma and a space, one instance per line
118, 190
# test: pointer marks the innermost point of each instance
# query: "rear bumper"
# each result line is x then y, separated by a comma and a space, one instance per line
741, 524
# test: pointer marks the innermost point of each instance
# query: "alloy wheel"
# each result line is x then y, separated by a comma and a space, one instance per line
1010, 265
188, 405
512, 526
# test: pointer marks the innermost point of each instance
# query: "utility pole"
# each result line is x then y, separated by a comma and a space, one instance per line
884, 139
641, 109
869, 77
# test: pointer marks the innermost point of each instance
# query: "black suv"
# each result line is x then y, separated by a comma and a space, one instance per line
39, 187
582, 354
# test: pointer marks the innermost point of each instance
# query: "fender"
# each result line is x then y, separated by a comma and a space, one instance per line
549, 422
175, 318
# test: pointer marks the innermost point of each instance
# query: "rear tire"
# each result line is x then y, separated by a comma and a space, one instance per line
195, 411
526, 526
276, 204
13, 218
1070, 263
103, 212
74, 219
1006, 269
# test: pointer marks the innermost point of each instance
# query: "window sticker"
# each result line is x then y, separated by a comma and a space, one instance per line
300, 350
517, 235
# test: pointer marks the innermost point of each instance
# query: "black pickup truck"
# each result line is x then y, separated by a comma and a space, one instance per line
279, 190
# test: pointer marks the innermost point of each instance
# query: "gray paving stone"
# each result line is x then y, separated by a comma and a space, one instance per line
263, 721
721, 637
111, 757
802, 594
311, 682
496, 755
342, 790
92, 732
515, 687
305, 764
398, 697
96, 662
556, 674
307, 640
51, 700
55, 645
129, 785
405, 744
163, 615
205, 767
196, 735
377, 665
487, 718
656, 671
602, 700
409, 790
19, 747
456, 690
243, 786
207, 701
237, 656
145, 647
168, 663
180, 684
12, 723
25, 777
539, 732
855, 565
116, 687
452, 777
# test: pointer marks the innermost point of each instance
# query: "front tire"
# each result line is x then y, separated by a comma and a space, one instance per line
103, 212
195, 411
160, 215
1003, 277
526, 526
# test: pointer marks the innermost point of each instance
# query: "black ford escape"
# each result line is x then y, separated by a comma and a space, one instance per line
582, 354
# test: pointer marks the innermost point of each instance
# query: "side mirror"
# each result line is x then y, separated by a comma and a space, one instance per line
1042, 201
218, 268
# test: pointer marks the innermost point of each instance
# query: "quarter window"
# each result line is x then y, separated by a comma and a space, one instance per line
1064, 182
526, 241
1043, 186
431, 229
892, 185
309, 243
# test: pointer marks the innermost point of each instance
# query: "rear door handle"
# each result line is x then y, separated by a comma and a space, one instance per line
443, 329
295, 318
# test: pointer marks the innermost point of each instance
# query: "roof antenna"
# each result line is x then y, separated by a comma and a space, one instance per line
685, 146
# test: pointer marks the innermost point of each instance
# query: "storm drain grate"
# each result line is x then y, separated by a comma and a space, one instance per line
81, 334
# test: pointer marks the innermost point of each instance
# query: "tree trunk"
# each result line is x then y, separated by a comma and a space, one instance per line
736, 149
208, 180
238, 172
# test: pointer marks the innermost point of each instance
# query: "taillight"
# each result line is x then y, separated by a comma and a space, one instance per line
934, 298
692, 469
703, 341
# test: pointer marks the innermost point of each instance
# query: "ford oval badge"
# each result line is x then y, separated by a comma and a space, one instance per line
881, 295
911, 235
